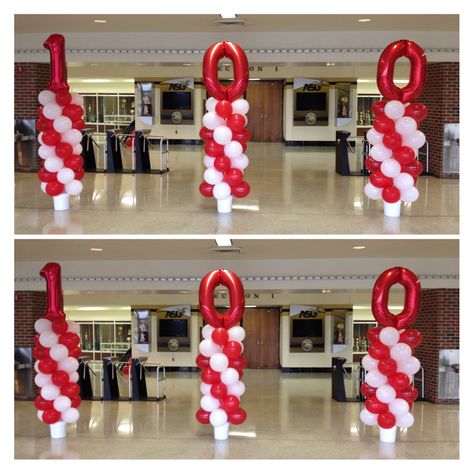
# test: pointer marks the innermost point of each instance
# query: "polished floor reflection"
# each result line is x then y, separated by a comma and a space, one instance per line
290, 416
294, 191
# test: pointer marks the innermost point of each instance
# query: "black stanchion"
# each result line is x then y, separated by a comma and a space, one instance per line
84, 381
88, 153
109, 380
142, 153
114, 154
342, 154
338, 391
139, 391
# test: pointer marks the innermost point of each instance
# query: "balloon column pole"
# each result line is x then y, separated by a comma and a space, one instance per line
395, 139
60, 124
390, 363
224, 131
220, 355
56, 352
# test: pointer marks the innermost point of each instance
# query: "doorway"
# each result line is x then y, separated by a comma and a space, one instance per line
262, 337
265, 117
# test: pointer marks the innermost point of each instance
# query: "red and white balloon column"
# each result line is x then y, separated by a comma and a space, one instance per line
220, 355
224, 131
60, 124
390, 363
56, 350
395, 138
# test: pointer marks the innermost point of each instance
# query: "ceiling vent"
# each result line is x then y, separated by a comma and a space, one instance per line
230, 22
225, 249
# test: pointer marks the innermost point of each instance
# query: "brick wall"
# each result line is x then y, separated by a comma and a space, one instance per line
441, 96
438, 321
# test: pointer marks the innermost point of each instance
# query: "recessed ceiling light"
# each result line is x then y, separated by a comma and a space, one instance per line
364, 20
359, 247
100, 21
330, 64
325, 291
95, 249
228, 16
223, 241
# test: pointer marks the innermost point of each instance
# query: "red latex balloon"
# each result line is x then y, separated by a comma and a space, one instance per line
219, 390
59, 326
379, 180
203, 416
70, 389
414, 168
206, 134
125, 370
417, 111
230, 403
60, 378
40, 353
210, 376
78, 124
373, 334
224, 109
392, 140
75, 402
46, 176
51, 137
43, 124
387, 366
367, 390
412, 337
222, 164
386, 420
379, 351
75, 352
241, 190
51, 416
73, 111
409, 393
211, 148
404, 155
375, 406
399, 381
63, 98
237, 417
383, 124
55, 188
234, 176
380, 294
74, 162
42, 404
69, 339
210, 73
47, 365
236, 122
206, 189
372, 165
391, 194
63, 150
79, 174
241, 136
238, 363
202, 361
220, 336
206, 298
232, 349
55, 45
378, 107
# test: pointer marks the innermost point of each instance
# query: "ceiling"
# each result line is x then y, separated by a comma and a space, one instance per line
254, 23
251, 249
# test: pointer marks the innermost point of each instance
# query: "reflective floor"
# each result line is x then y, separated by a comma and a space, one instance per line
295, 190
290, 416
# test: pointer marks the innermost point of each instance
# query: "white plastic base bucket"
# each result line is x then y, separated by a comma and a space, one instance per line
224, 206
392, 209
58, 430
221, 432
61, 202
388, 436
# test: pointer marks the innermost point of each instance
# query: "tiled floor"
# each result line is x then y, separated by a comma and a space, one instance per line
294, 191
290, 416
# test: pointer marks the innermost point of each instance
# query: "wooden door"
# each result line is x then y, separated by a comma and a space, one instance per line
254, 96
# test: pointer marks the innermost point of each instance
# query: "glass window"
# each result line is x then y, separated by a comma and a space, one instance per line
87, 336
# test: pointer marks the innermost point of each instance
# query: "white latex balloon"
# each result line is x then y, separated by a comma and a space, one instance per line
229, 376
69, 365
65, 175
46, 97
394, 109
208, 161
406, 126
415, 140
372, 192
409, 366
369, 363
212, 176
36, 367
45, 151
71, 415
386, 393
53, 164
400, 351
375, 379
62, 124
221, 190
237, 389
211, 120
62, 403
211, 104
240, 106
74, 187
374, 137
241, 162
405, 420
73, 137
205, 388
368, 418
208, 348
410, 194
52, 110
50, 392
40, 138
207, 331
219, 362
48, 339
222, 135
390, 168
389, 336
42, 325
77, 149
209, 403
404, 181
39, 414
42, 379
236, 333
43, 187
233, 149
77, 99
73, 327
218, 417
380, 152
58, 352
399, 407
74, 377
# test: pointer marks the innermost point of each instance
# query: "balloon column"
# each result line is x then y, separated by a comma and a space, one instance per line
60, 123
56, 350
220, 355
395, 138
390, 363
224, 131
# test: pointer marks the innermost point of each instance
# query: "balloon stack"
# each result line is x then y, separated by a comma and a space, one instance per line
220, 355
224, 131
60, 122
56, 350
390, 363
395, 138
